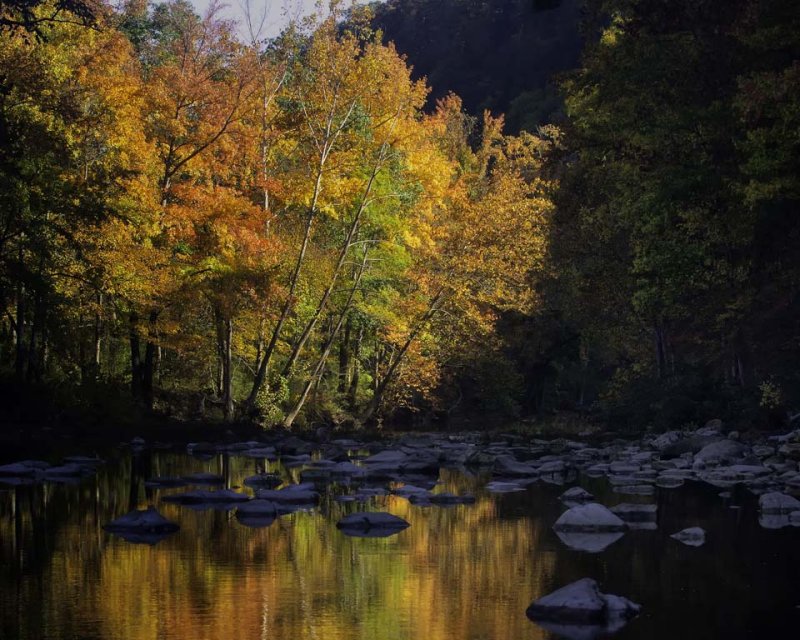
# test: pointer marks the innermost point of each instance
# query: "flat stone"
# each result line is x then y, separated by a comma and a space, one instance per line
576, 494
504, 487
372, 524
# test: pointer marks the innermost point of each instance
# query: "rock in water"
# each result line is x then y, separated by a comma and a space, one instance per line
506, 465
588, 518
372, 524
777, 503
693, 536
581, 603
143, 520
503, 487
720, 452
145, 526
577, 495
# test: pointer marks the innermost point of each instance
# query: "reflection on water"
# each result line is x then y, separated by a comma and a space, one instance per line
460, 572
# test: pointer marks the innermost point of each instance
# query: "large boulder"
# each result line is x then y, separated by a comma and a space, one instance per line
778, 503
581, 603
692, 444
661, 442
589, 518
722, 451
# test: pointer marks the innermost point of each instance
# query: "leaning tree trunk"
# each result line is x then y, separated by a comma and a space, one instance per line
344, 357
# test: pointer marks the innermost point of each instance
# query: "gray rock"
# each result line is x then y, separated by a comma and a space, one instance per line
581, 603
577, 495
504, 487
142, 521
722, 451
693, 536
507, 465
372, 524
589, 518
778, 503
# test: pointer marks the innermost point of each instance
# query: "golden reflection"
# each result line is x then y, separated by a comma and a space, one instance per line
459, 572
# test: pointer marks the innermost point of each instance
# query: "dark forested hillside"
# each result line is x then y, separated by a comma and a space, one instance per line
500, 55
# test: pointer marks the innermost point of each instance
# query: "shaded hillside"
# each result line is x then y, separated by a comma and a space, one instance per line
499, 55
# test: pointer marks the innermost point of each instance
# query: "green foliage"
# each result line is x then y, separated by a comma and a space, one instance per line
675, 243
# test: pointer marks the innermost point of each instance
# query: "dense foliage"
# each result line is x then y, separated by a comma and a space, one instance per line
675, 254
272, 231
298, 230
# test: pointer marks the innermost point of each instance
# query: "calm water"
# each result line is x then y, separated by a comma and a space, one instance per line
466, 572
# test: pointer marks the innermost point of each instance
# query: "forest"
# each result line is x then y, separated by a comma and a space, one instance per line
315, 229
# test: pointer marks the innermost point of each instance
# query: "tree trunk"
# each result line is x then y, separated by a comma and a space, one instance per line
352, 393
380, 389
263, 369
660, 350
348, 243
98, 327
19, 364
136, 364
344, 357
148, 366
744, 360
318, 369
227, 370
32, 373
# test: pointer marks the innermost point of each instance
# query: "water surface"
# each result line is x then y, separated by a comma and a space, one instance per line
464, 572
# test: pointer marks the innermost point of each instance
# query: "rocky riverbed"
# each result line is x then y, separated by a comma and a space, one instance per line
592, 507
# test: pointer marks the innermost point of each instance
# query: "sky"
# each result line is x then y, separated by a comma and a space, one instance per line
278, 12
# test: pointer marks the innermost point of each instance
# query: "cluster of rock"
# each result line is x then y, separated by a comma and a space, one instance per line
72, 470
